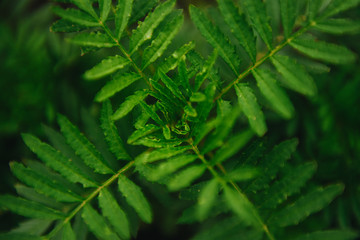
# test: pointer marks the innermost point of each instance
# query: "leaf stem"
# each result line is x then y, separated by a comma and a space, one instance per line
123, 51
88, 199
237, 188
224, 182
264, 58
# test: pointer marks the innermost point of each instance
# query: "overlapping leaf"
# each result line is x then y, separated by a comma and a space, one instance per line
83, 147
145, 30
216, 38
98, 224
76, 16
324, 51
257, 13
239, 27
308, 204
161, 42
273, 93
98, 40
112, 137
118, 83
135, 198
112, 211
106, 67
122, 16
248, 104
57, 161
294, 75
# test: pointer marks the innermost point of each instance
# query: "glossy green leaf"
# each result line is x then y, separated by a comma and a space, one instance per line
112, 211
35, 227
277, 98
313, 8
106, 67
104, 6
338, 6
170, 84
241, 206
85, 5
171, 62
166, 108
97, 224
294, 75
83, 147
256, 12
207, 198
76, 16
129, 103
43, 184
118, 83
166, 132
171, 165
338, 26
67, 232
98, 40
203, 110
165, 96
31, 194
251, 108
190, 111
197, 97
122, 16
216, 38
145, 30
57, 161
324, 51
149, 110
239, 26
41, 169
183, 75
205, 71
162, 153
142, 132
116, 145
294, 179
28, 208
313, 66
62, 25
231, 147
59, 141
288, 15
152, 142
329, 235
135, 198
306, 205
162, 41
141, 8
242, 174
186, 177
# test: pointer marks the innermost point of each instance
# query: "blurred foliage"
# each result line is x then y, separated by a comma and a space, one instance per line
35, 68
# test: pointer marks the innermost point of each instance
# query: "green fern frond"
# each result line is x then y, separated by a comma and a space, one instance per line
189, 133
294, 75
75, 200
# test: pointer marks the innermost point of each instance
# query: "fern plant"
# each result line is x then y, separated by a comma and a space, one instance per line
188, 131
